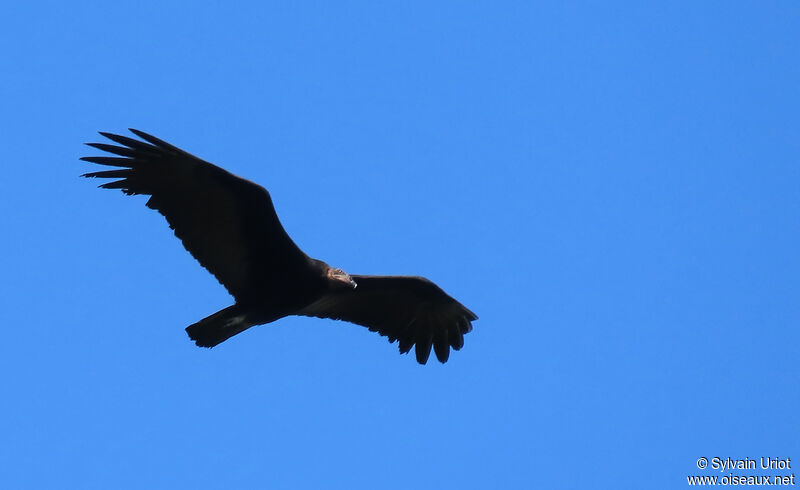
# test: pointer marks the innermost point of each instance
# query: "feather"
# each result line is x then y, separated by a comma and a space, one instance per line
111, 161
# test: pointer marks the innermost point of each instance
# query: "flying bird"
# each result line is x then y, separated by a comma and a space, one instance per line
229, 225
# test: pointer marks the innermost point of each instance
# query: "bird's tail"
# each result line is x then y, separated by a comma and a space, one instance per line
218, 327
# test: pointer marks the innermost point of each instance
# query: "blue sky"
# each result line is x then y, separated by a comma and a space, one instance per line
611, 187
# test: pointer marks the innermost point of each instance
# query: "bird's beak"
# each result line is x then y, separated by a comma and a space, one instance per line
353, 284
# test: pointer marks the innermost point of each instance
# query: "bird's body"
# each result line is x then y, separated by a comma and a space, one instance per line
230, 226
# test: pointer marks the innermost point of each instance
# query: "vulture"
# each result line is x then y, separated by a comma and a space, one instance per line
229, 225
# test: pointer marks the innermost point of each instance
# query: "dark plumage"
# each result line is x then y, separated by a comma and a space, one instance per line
229, 225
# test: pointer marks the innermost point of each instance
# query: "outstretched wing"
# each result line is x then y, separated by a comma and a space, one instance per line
411, 310
227, 223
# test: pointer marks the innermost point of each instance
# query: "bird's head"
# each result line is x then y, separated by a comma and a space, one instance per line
341, 278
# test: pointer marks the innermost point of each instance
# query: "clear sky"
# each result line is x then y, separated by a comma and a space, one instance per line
611, 186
